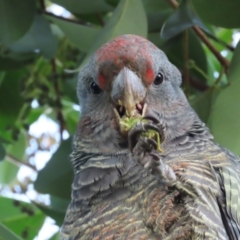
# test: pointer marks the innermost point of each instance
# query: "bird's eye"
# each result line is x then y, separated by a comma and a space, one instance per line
95, 88
158, 79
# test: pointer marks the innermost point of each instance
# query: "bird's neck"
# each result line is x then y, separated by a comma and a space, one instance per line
194, 139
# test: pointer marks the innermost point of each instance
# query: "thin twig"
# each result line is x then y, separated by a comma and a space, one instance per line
60, 117
224, 62
17, 162
185, 59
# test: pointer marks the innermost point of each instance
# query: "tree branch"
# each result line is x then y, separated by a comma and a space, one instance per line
17, 162
224, 62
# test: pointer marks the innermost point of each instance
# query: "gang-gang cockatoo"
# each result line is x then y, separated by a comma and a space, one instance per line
125, 185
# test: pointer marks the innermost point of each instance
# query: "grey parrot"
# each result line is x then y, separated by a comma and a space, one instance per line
145, 166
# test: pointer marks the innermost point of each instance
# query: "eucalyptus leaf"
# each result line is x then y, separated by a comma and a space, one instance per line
234, 70
22, 218
113, 3
174, 50
9, 63
2, 151
224, 118
6, 233
225, 114
56, 177
16, 150
157, 13
222, 13
183, 18
202, 104
12, 101
15, 19
80, 35
39, 38
123, 22
56, 210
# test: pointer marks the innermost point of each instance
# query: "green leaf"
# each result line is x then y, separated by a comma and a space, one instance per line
155, 6
22, 218
6, 233
7, 63
84, 6
15, 19
222, 13
57, 176
69, 89
202, 104
113, 3
234, 70
58, 216
81, 36
183, 18
71, 117
12, 101
157, 13
8, 170
2, 75
10, 60
2, 151
224, 118
225, 114
34, 114
155, 38
174, 50
38, 38
123, 21
56, 210
213, 66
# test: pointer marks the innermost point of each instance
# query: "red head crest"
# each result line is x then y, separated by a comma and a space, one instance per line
131, 51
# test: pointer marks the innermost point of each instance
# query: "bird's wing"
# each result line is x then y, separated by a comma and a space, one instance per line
229, 180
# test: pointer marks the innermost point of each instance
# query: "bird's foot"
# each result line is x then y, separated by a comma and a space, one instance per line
146, 150
150, 132
140, 144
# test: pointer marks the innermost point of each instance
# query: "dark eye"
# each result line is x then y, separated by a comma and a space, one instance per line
158, 79
95, 88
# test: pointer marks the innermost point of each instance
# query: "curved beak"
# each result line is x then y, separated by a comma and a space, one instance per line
128, 92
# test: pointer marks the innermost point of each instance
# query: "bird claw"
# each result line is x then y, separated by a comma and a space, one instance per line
143, 145
142, 149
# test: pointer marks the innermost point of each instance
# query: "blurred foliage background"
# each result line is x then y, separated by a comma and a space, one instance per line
43, 44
